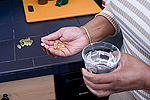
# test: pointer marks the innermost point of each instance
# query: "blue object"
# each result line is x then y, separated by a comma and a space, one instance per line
5, 97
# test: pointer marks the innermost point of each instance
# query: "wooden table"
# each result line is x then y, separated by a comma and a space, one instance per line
38, 88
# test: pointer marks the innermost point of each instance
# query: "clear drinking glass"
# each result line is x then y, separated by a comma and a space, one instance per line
101, 57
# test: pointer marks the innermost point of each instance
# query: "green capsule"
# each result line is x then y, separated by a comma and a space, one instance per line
61, 2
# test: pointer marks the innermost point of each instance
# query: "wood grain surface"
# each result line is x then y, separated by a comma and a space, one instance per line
38, 88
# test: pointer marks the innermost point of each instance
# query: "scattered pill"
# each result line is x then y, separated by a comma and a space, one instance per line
19, 47
25, 42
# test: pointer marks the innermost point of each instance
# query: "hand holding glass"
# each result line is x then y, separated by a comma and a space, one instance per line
101, 57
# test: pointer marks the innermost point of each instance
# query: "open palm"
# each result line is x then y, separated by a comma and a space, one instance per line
73, 38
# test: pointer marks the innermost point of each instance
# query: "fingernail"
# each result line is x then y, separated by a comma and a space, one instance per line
84, 83
81, 70
43, 36
42, 46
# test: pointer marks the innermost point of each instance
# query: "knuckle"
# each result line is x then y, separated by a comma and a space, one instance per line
117, 82
95, 79
93, 86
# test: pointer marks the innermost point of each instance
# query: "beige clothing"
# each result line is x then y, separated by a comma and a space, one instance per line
133, 18
122, 96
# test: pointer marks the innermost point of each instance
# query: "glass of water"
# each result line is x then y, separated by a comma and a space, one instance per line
101, 57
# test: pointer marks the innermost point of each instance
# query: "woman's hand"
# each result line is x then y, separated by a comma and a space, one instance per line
74, 38
131, 74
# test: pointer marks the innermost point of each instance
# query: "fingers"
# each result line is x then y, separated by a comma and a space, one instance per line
99, 84
44, 49
52, 52
50, 43
97, 78
100, 93
49, 53
45, 46
94, 86
54, 36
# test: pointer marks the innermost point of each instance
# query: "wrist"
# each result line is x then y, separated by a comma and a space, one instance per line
85, 32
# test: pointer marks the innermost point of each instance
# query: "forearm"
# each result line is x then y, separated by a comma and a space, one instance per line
99, 28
